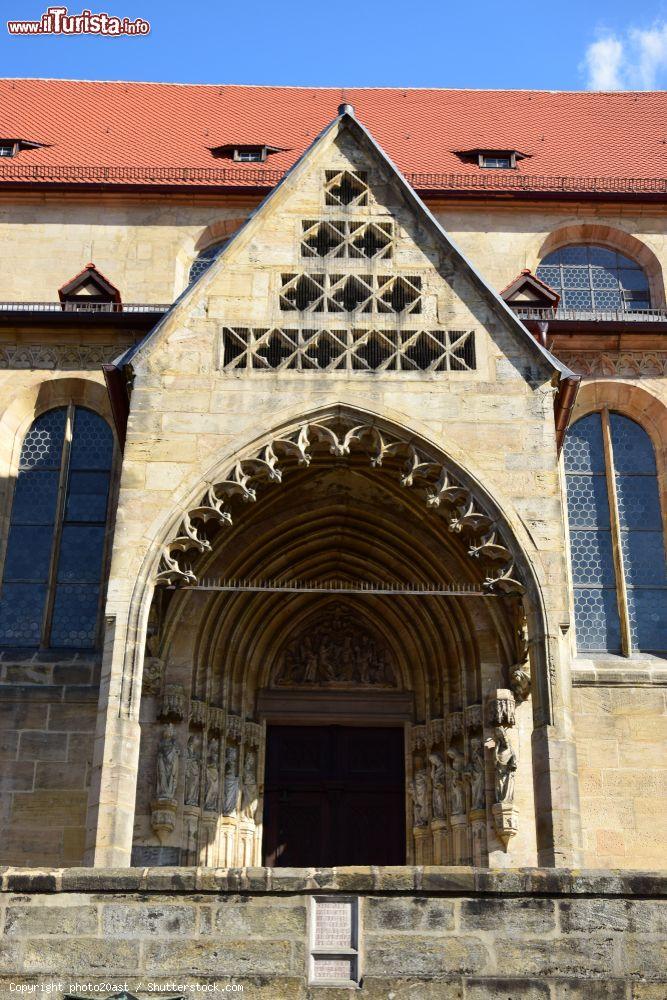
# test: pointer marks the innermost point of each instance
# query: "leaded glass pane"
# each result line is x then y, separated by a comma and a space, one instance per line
35, 497
43, 444
587, 503
638, 502
602, 257
577, 298
633, 450
602, 277
21, 611
635, 280
592, 560
569, 255
643, 558
608, 299
81, 553
576, 277
584, 451
87, 496
28, 552
92, 441
597, 622
204, 260
75, 616
647, 609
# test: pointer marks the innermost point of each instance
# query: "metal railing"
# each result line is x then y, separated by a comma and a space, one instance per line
85, 307
593, 315
262, 177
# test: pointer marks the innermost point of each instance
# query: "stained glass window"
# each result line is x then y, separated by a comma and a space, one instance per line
595, 279
616, 531
53, 566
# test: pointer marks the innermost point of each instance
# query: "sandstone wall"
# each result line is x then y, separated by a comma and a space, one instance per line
442, 933
621, 734
145, 244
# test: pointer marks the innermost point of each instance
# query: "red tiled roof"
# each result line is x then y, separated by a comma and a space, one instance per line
158, 133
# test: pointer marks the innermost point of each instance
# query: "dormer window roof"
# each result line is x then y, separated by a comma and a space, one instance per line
490, 158
90, 291
527, 291
245, 152
11, 147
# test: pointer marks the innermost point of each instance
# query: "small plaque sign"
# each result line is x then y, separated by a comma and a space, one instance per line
334, 941
155, 857
333, 925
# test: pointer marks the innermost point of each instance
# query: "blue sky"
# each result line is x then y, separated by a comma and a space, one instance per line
568, 45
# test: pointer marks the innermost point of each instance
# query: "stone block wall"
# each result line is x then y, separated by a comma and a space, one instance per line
439, 933
47, 718
621, 733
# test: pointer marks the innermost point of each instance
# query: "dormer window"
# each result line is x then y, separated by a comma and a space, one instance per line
492, 159
90, 291
10, 147
245, 153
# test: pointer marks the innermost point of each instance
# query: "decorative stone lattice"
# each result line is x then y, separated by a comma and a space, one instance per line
347, 188
351, 240
376, 294
347, 350
444, 494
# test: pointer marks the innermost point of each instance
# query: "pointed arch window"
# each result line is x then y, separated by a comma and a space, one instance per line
616, 536
595, 279
52, 585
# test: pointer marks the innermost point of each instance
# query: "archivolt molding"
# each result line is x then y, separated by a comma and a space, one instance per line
465, 514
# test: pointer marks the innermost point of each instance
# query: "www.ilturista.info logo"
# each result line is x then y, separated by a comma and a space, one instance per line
57, 21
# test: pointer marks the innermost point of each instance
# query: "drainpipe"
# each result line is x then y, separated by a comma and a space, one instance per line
568, 387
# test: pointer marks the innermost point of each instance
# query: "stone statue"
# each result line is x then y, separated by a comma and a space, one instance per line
167, 764
438, 785
475, 774
230, 797
506, 762
250, 792
192, 770
457, 791
212, 782
419, 791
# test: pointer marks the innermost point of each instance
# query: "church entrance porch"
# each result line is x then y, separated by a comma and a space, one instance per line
344, 617
334, 795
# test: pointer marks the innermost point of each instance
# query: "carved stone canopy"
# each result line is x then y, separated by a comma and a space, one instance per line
466, 514
336, 650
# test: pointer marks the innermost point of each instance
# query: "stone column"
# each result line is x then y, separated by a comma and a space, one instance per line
440, 830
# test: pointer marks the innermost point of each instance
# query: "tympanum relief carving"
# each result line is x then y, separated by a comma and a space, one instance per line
336, 651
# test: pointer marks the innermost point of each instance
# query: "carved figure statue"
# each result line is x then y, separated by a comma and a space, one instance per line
250, 791
192, 770
167, 764
212, 781
230, 797
506, 762
419, 791
438, 785
457, 790
475, 774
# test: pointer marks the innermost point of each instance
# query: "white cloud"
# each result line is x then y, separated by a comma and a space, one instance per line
634, 61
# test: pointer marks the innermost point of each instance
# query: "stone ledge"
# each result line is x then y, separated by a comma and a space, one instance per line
406, 879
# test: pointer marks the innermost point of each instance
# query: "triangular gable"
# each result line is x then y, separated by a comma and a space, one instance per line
347, 119
527, 290
89, 284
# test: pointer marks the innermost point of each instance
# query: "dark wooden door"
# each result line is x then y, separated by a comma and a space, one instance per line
334, 795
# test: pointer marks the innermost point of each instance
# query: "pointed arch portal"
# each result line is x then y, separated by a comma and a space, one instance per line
315, 609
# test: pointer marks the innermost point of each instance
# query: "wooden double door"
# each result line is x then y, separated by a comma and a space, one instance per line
334, 795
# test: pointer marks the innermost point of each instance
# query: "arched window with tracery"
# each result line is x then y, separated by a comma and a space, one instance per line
595, 279
616, 536
53, 573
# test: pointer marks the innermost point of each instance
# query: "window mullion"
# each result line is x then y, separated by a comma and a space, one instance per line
58, 528
621, 588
